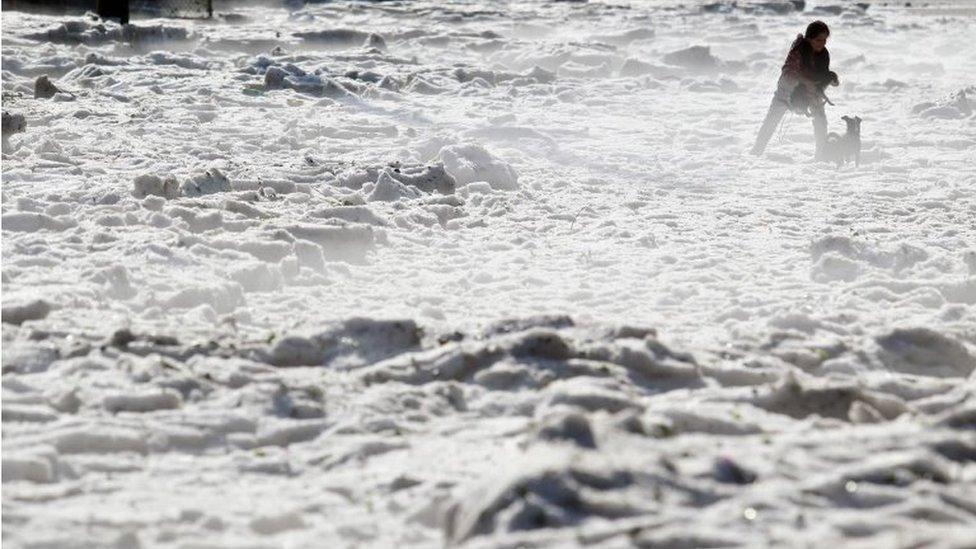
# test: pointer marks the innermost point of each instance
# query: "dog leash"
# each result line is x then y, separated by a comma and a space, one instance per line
826, 99
782, 126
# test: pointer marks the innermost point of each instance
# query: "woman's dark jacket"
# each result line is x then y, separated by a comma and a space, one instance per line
803, 61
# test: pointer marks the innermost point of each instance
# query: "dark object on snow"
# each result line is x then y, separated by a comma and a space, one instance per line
13, 123
108, 9
44, 88
18, 313
573, 428
728, 471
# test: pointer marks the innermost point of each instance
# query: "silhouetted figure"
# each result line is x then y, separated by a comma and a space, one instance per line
113, 8
805, 74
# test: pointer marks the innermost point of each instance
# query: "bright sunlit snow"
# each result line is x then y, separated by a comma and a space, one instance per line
500, 274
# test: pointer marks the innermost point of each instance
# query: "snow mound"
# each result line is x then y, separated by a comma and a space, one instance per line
153, 185
469, 163
512, 361
388, 189
842, 401
352, 214
428, 179
294, 78
770, 7
396, 181
351, 343
209, 182
600, 428
957, 105
636, 67
342, 38
348, 242
222, 296
700, 59
556, 493
624, 38
32, 222
93, 34
922, 351
840, 257
178, 60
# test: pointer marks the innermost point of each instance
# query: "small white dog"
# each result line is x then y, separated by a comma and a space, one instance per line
841, 148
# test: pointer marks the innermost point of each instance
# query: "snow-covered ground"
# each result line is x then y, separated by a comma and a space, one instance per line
499, 274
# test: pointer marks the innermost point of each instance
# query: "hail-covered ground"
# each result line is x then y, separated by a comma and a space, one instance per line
492, 274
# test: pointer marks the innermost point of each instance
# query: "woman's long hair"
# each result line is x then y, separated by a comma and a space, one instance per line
815, 29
